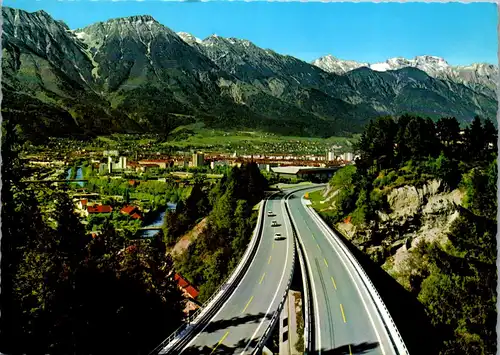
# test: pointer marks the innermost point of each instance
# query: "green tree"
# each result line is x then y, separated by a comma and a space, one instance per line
376, 144
490, 136
448, 132
481, 191
420, 139
22, 223
447, 170
474, 139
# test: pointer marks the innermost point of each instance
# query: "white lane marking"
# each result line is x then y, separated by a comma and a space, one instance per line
281, 281
236, 289
341, 257
315, 295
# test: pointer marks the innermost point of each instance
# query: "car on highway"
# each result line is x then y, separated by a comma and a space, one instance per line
278, 236
270, 213
274, 223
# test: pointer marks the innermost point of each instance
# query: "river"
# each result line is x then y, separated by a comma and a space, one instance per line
79, 175
157, 221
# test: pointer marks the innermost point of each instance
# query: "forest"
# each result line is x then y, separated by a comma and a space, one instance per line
67, 292
456, 282
230, 222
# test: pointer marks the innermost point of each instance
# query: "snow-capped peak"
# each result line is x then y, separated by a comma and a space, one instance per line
188, 37
427, 63
437, 67
430, 59
332, 64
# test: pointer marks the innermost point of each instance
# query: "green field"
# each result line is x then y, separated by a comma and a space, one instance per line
197, 137
253, 141
316, 198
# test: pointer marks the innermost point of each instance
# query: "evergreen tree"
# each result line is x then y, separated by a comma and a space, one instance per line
474, 139
377, 143
402, 152
490, 136
448, 132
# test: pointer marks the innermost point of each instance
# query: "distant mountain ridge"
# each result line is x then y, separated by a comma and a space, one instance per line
474, 75
134, 74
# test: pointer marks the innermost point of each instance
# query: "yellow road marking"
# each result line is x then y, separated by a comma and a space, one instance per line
318, 246
343, 315
333, 281
273, 244
220, 341
248, 303
269, 261
325, 262
350, 351
262, 278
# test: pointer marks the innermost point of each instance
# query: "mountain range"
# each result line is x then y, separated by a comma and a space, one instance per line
134, 74
481, 76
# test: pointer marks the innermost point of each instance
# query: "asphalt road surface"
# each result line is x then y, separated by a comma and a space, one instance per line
346, 322
242, 320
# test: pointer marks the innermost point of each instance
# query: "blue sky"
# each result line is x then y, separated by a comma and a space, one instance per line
368, 32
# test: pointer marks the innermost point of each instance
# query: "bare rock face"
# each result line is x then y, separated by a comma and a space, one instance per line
436, 211
416, 214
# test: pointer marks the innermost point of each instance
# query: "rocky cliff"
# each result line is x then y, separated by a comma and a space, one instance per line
414, 214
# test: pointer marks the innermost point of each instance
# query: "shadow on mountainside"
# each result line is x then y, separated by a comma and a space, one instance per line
408, 313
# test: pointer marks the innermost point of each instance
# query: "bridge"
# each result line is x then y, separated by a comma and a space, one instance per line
152, 228
342, 309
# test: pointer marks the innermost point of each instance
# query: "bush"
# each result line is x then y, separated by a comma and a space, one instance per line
400, 181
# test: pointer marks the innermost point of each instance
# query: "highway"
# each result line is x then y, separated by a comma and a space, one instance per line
243, 319
346, 322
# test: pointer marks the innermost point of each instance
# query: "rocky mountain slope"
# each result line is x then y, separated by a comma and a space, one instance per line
134, 74
416, 214
478, 76
291, 79
46, 77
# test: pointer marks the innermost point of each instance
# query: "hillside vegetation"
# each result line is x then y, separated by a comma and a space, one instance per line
422, 202
65, 291
216, 251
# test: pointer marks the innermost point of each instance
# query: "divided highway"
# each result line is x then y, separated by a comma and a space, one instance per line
245, 317
346, 319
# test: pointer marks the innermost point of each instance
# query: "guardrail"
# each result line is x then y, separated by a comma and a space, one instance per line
276, 314
386, 317
275, 317
305, 284
220, 295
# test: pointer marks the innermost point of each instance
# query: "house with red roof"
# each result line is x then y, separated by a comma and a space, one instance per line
181, 281
193, 293
131, 211
136, 216
188, 289
99, 209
